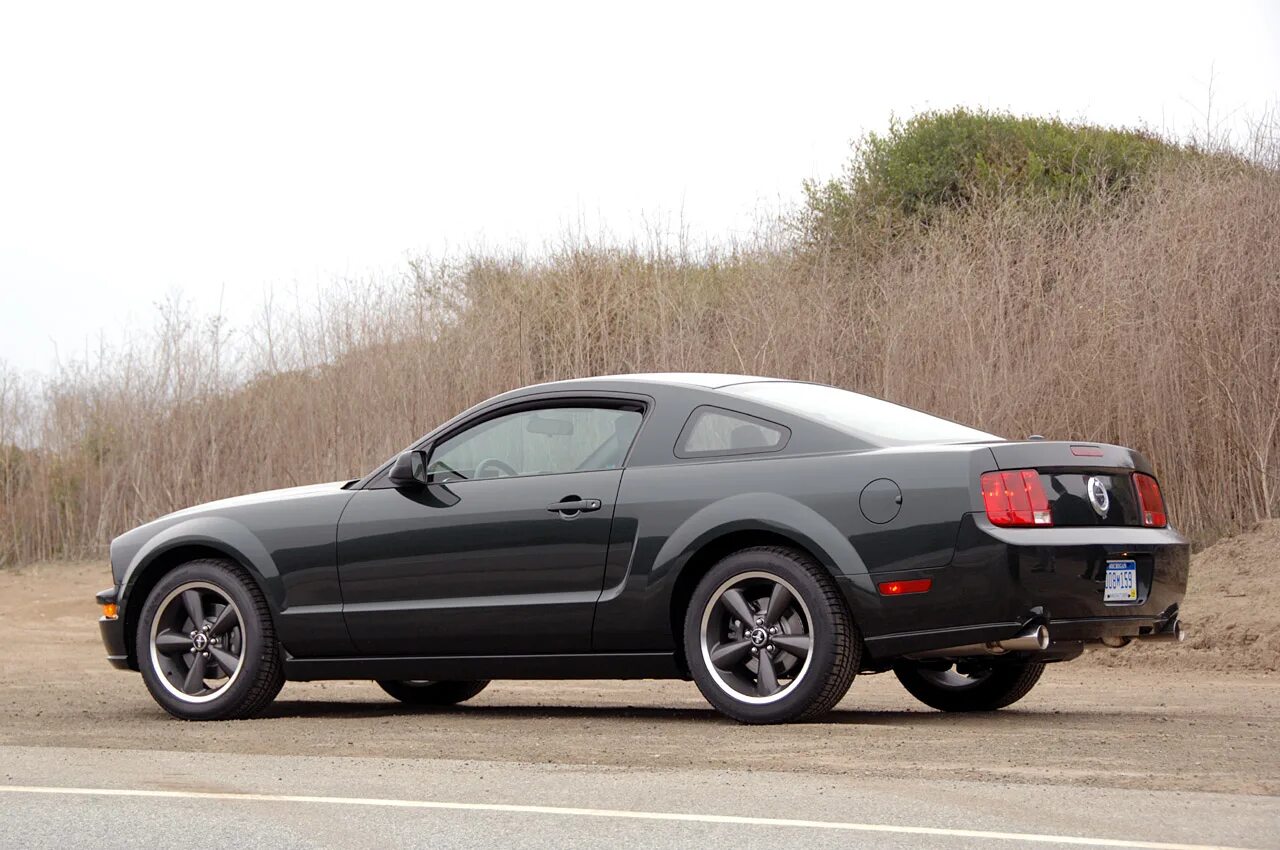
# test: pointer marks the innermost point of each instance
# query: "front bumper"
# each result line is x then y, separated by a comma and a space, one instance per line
1003, 580
113, 636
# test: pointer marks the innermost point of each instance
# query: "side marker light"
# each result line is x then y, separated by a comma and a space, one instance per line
900, 588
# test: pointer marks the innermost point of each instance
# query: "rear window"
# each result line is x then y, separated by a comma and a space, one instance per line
880, 423
716, 431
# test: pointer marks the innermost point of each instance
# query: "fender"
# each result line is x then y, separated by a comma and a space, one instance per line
769, 512
286, 540
218, 534
626, 616
213, 532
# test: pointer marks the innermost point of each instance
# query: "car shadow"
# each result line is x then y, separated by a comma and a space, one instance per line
335, 709
343, 709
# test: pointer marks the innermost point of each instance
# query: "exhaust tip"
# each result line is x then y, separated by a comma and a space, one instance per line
1034, 639
1175, 632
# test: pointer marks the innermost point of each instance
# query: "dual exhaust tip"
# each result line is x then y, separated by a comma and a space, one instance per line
1172, 633
1036, 639
1031, 639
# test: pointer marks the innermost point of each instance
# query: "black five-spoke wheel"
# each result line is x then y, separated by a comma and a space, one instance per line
197, 641
425, 693
769, 638
206, 643
756, 637
972, 684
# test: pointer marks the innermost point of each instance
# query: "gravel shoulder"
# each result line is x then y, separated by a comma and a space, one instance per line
1167, 725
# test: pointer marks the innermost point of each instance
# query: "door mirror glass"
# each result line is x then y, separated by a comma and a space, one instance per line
409, 469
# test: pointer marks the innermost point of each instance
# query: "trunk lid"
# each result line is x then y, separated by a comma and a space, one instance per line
1066, 470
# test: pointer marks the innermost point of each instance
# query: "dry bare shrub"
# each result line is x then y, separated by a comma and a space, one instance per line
1152, 322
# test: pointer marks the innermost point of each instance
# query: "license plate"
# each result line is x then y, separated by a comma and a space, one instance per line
1122, 582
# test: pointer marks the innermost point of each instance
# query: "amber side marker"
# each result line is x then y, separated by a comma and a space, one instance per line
110, 610
899, 588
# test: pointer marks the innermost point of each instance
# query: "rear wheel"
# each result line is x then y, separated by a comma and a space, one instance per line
769, 638
979, 685
206, 645
424, 692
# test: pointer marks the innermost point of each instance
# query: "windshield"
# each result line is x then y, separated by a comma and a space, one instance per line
880, 423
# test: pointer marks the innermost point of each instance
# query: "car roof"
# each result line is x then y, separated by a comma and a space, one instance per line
705, 380
708, 382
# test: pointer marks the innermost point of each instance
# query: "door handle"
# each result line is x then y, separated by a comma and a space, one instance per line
573, 507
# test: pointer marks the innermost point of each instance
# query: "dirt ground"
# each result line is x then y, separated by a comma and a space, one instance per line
1202, 716
1232, 610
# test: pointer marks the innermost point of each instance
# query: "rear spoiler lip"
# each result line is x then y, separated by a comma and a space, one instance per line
1058, 454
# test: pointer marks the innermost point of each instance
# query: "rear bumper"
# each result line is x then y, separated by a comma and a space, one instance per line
1002, 580
1067, 636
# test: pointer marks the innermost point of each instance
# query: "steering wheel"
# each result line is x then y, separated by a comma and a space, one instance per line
500, 468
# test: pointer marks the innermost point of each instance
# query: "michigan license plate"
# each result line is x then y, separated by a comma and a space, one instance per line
1122, 582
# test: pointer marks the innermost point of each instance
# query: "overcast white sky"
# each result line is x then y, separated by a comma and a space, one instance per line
218, 150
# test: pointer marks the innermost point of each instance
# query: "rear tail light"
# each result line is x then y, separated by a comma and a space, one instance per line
1015, 498
1150, 502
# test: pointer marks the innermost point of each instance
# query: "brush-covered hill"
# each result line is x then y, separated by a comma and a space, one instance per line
1021, 275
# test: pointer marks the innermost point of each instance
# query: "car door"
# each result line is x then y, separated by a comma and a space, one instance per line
503, 551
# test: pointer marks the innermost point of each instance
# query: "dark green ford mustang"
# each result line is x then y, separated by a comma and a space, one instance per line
769, 539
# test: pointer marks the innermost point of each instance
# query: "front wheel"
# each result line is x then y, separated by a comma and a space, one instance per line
424, 692
206, 643
978, 685
769, 638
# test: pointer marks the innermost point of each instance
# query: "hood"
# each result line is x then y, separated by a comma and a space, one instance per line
125, 547
285, 494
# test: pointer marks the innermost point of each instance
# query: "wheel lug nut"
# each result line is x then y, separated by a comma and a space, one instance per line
755, 650
773, 630
759, 621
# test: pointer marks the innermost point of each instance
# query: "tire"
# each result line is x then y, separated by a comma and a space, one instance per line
238, 635
1001, 684
816, 617
432, 693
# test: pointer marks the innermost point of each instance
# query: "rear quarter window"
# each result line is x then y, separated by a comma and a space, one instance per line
714, 431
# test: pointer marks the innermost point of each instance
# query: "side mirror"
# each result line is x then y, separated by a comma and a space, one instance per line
409, 470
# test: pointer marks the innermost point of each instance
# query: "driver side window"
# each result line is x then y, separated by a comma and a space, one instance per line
543, 441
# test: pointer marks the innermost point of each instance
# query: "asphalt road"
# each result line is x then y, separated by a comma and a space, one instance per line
1093, 757
65, 797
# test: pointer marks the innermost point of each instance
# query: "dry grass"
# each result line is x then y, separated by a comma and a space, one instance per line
1155, 324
